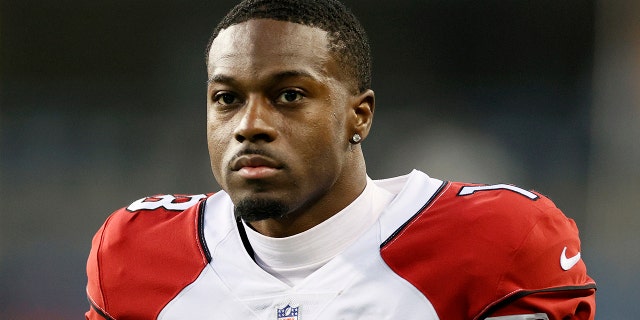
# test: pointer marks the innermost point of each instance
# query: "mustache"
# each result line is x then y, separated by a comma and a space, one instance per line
259, 152
249, 151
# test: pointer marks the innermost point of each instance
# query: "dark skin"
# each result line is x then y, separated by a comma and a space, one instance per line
280, 115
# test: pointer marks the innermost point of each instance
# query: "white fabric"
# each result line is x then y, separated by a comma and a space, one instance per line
355, 284
416, 185
291, 259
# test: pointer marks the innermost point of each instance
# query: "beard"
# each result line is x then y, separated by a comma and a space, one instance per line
260, 209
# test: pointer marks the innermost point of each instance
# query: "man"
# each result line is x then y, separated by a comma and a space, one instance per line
299, 230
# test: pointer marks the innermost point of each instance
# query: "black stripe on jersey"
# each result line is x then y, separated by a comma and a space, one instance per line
395, 233
245, 239
98, 311
203, 242
522, 294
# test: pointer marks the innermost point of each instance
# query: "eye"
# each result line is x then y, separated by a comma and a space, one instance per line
289, 96
225, 98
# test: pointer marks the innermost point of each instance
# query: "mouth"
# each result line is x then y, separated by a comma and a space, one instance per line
255, 166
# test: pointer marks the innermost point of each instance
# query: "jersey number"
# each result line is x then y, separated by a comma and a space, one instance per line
467, 190
169, 202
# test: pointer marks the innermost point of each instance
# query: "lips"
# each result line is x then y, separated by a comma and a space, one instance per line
253, 160
254, 166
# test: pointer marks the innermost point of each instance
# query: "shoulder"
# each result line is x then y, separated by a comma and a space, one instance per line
500, 205
478, 244
148, 221
152, 245
423, 202
499, 213
505, 216
150, 216
166, 202
503, 219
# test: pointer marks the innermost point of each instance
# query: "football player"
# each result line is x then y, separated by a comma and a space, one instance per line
299, 231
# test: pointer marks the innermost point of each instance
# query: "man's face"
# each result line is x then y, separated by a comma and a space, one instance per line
279, 118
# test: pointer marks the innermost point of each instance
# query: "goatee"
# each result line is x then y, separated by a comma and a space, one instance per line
260, 209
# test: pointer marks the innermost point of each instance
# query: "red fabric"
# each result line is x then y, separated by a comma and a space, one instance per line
468, 253
140, 260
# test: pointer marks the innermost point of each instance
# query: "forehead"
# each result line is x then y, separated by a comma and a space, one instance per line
261, 44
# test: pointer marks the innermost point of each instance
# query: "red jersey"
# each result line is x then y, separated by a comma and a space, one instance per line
440, 250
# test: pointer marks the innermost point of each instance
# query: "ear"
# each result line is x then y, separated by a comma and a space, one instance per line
363, 106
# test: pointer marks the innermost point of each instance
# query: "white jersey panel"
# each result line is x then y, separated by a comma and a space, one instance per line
356, 284
413, 191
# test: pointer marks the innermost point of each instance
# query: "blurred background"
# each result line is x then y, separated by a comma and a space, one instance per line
103, 102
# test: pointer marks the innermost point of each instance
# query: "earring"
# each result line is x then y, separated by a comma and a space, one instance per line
356, 138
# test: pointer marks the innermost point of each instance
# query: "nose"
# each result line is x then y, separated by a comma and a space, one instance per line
256, 122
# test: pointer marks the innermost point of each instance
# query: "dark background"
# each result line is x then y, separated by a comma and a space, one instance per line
103, 102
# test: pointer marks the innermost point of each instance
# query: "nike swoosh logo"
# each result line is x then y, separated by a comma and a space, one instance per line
568, 263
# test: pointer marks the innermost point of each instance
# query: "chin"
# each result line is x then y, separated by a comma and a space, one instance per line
256, 209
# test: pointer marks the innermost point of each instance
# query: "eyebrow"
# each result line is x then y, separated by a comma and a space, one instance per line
225, 79
220, 78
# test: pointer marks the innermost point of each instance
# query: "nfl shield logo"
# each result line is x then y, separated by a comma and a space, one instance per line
288, 313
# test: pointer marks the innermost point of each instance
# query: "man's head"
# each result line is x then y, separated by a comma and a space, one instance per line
281, 113
347, 39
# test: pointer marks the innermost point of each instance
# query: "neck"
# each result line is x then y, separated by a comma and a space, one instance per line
292, 259
319, 208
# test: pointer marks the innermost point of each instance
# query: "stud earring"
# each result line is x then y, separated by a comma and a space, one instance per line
356, 138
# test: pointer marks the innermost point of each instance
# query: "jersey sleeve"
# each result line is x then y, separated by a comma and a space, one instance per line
478, 251
94, 292
143, 256
547, 273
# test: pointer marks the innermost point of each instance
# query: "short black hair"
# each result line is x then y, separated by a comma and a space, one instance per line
347, 38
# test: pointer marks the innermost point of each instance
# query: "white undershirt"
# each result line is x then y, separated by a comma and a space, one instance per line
291, 259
